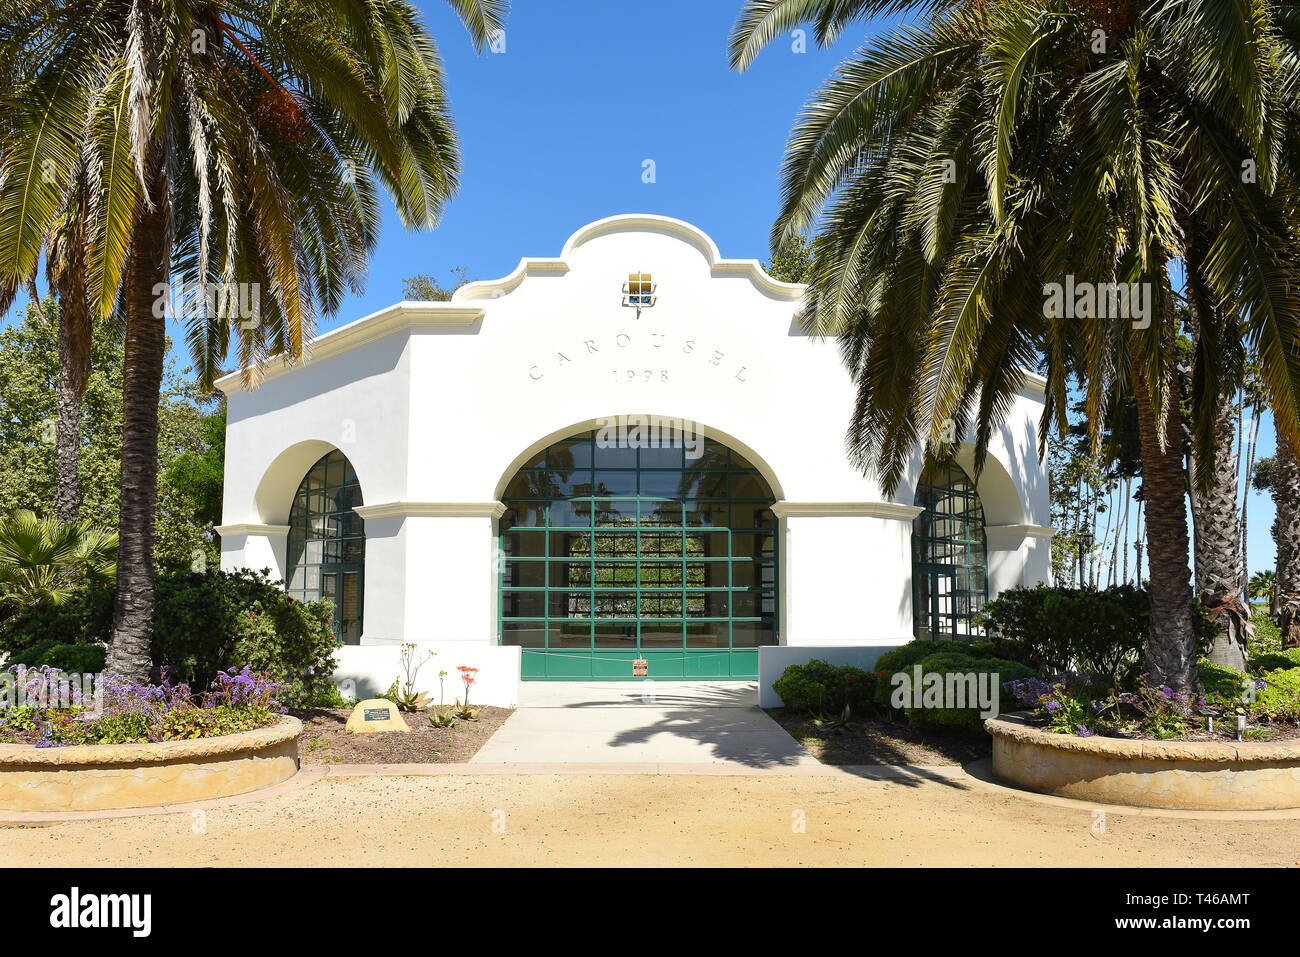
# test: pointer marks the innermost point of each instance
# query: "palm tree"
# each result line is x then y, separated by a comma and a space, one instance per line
1218, 556
44, 561
232, 143
1279, 475
1286, 534
66, 267
954, 169
1263, 586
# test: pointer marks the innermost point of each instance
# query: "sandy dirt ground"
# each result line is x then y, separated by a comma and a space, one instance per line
647, 820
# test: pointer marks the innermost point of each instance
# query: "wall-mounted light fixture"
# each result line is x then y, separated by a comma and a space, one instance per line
639, 291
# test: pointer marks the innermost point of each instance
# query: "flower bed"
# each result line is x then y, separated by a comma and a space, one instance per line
95, 777
129, 745
1188, 775
49, 709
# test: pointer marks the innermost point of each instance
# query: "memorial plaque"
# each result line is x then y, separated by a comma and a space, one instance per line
376, 714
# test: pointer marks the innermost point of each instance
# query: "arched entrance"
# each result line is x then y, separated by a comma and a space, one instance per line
327, 543
619, 548
949, 557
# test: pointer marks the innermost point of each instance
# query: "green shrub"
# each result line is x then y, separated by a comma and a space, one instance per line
998, 647
71, 659
85, 617
1268, 637
1279, 700
210, 622
900, 659
203, 624
1275, 660
1223, 686
1000, 671
330, 697
821, 688
914, 652
32, 654
1081, 629
291, 642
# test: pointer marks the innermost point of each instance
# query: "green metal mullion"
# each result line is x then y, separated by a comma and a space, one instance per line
546, 561
591, 550
684, 608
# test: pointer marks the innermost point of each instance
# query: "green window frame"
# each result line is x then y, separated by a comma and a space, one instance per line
327, 543
949, 557
620, 548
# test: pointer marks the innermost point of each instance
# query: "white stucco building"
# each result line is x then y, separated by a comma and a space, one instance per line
454, 473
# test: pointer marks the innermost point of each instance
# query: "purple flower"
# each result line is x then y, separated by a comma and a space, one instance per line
1083, 731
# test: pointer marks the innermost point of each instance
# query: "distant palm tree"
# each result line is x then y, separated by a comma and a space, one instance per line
1286, 534
65, 259
226, 143
44, 561
956, 169
1263, 587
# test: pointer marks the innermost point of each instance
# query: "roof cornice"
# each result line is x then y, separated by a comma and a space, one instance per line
399, 317
748, 268
886, 510
432, 510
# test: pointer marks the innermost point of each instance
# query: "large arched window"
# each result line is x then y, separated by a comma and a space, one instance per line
949, 565
327, 543
615, 553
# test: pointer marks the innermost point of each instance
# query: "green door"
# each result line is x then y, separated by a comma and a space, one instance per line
614, 553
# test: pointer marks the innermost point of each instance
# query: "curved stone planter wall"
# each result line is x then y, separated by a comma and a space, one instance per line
109, 776
1187, 775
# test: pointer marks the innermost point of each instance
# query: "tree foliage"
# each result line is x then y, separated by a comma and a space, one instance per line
424, 287
190, 448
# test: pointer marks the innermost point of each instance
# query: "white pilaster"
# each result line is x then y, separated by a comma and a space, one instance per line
841, 565
254, 546
431, 571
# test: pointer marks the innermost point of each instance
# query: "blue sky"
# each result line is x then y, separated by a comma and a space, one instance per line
555, 131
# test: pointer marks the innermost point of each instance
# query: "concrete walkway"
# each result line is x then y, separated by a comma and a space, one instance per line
662, 722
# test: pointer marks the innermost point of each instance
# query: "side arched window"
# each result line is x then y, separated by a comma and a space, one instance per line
327, 543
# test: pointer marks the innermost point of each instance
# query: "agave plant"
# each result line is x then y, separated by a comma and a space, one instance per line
43, 561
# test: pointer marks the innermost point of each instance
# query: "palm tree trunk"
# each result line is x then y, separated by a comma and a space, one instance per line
1128, 501
1171, 645
66, 265
1140, 536
1245, 498
1286, 530
146, 346
1218, 559
74, 369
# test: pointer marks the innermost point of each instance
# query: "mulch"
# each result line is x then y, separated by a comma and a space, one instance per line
868, 740
325, 741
